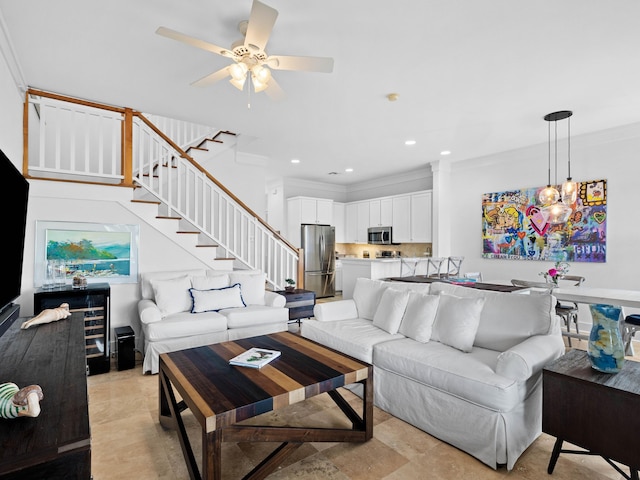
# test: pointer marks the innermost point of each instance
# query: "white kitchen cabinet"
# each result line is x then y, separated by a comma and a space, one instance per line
339, 222
301, 210
409, 214
315, 210
381, 212
421, 215
351, 222
402, 219
362, 223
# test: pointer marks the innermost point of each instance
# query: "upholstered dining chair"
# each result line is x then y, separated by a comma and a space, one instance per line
569, 310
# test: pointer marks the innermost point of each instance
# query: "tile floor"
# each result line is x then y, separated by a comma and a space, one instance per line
128, 443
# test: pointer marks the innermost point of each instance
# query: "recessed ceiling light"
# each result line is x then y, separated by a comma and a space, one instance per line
348, 170
295, 160
445, 152
410, 142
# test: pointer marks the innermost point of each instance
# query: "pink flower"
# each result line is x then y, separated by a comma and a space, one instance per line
553, 272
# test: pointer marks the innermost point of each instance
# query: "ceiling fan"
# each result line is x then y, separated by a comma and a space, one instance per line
249, 54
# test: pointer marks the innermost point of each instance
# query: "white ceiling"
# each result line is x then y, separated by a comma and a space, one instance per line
473, 76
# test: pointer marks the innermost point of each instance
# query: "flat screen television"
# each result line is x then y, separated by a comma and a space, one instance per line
14, 195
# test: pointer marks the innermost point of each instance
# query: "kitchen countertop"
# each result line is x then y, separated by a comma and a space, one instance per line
384, 259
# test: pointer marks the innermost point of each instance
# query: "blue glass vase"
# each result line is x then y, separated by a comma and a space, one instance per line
606, 350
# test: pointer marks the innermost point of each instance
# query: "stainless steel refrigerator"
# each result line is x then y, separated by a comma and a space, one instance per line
319, 244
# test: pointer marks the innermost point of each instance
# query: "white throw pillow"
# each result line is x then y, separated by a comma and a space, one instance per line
390, 310
252, 286
172, 295
457, 321
419, 316
210, 282
367, 294
216, 299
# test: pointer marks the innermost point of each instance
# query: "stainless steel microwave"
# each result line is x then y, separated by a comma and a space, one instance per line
380, 236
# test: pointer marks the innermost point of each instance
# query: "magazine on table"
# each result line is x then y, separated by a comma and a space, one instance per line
255, 357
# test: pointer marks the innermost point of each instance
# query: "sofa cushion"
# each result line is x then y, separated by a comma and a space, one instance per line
411, 286
146, 290
419, 316
508, 319
185, 324
469, 376
355, 337
252, 286
253, 315
208, 282
216, 299
457, 321
391, 309
172, 295
366, 294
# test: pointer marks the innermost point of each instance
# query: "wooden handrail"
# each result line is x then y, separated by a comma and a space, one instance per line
127, 141
77, 101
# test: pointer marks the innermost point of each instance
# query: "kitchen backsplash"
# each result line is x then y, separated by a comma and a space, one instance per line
405, 249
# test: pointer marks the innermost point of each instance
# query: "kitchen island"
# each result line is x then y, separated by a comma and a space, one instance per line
373, 268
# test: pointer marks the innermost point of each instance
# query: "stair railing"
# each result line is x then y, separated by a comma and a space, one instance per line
197, 197
82, 141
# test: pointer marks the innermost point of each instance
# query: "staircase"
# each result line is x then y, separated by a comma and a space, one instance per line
83, 141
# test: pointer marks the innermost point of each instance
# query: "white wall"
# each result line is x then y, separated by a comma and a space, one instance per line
10, 115
610, 155
244, 175
55, 201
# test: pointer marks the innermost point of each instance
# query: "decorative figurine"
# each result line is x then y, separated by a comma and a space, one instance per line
19, 402
49, 315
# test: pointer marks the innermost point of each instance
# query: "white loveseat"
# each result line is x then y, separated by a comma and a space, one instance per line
190, 308
462, 364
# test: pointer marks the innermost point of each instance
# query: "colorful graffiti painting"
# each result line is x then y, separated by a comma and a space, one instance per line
513, 226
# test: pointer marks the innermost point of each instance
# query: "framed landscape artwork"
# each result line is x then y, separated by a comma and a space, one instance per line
100, 252
513, 226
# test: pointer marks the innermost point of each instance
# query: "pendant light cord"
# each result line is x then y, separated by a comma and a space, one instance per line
555, 146
569, 149
549, 153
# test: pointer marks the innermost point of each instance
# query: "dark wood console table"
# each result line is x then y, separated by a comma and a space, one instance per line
479, 285
595, 411
57, 443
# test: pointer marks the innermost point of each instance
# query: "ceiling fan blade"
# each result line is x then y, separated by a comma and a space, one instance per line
274, 91
308, 64
212, 78
261, 22
194, 42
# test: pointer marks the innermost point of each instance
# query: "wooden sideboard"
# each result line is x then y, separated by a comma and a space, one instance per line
57, 443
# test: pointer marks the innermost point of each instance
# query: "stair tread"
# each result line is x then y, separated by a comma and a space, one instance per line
167, 217
138, 200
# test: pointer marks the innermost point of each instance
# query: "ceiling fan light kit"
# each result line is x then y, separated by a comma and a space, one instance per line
249, 54
557, 205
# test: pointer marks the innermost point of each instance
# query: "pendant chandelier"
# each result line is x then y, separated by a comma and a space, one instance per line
557, 205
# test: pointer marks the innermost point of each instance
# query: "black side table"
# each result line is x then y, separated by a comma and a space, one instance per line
300, 303
592, 410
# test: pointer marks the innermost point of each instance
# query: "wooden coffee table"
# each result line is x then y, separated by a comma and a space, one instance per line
220, 395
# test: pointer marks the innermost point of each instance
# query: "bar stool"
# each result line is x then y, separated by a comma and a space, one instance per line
433, 267
629, 328
454, 264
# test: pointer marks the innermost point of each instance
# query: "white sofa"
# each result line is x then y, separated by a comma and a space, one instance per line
191, 308
462, 364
